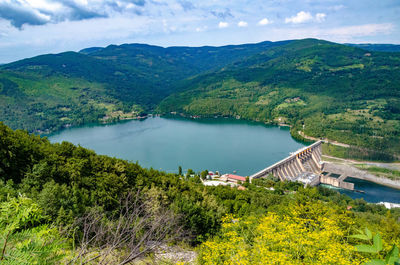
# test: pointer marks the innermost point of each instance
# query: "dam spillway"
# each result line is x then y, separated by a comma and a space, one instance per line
304, 165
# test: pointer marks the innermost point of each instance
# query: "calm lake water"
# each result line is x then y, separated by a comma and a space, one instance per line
224, 145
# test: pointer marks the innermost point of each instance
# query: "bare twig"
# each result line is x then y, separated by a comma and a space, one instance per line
131, 232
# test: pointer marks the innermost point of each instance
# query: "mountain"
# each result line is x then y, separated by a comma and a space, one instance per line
323, 88
48, 92
377, 47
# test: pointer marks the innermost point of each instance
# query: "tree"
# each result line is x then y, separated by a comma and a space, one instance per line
204, 174
189, 172
180, 171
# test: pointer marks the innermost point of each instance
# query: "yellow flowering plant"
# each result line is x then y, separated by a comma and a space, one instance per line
309, 233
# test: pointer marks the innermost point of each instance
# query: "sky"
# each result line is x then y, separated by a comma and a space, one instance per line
32, 27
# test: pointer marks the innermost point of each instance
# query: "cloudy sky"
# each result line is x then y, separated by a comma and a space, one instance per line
33, 27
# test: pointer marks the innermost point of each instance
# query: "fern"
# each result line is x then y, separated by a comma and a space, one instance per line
23, 240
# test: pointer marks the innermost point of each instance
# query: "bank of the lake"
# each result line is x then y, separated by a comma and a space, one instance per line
223, 144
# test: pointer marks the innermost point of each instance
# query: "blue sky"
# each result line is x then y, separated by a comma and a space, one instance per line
33, 27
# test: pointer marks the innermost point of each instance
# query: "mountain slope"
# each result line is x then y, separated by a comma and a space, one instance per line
377, 47
48, 92
328, 90
340, 92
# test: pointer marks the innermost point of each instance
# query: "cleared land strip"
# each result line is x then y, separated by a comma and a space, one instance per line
322, 139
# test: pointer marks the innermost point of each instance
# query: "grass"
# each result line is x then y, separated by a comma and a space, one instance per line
356, 153
380, 171
347, 67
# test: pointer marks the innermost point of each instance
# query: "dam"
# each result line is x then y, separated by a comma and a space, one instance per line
306, 166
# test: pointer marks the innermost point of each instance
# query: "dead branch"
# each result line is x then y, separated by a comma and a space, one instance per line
131, 232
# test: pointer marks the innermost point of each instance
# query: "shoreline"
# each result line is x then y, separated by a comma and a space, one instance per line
357, 173
372, 178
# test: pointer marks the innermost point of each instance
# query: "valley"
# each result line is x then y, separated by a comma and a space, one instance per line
100, 163
320, 88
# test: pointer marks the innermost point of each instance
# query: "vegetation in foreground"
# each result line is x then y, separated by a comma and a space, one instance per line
60, 203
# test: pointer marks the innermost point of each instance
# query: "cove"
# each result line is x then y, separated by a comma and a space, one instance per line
224, 145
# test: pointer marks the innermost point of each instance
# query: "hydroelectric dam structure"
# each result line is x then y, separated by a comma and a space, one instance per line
306, 166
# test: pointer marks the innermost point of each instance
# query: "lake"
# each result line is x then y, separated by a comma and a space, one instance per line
224, 145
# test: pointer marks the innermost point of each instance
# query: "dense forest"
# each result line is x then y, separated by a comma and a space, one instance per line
324, 89
62, 203
348, 93
49, 92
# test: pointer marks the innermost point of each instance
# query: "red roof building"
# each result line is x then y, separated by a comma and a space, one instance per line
233, 178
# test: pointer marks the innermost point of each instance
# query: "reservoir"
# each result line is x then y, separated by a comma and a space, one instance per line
224, 145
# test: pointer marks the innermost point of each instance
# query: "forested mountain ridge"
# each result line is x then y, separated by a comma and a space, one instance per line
55, 90
326, 89
377, 47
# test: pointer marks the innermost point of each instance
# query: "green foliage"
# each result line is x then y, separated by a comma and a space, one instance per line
378, 47
324, 89
23, 239
50, 92
64, 182
357, 153
204, 174
305, 233
375, 247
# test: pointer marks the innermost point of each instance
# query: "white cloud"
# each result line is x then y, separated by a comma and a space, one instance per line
242, 24
222, 25
320, 17
303, 17
264, 22
300, 17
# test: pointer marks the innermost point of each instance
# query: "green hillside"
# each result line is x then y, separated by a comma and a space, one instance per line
377, 47
325, 89
48, 92
64, 204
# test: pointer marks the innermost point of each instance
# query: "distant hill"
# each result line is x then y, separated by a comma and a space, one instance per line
48, 92
90, 50
325, 89
377, 47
